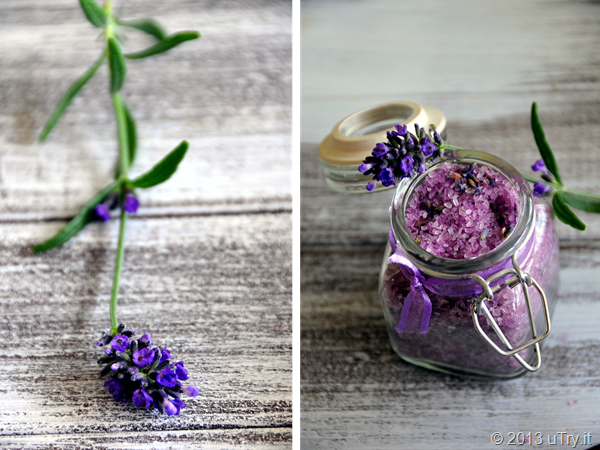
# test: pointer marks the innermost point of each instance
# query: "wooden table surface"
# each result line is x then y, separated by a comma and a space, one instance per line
482, 64
207, 267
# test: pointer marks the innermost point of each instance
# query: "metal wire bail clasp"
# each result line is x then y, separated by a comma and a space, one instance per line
478, 307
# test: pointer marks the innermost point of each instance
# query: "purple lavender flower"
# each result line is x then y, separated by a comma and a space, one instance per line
170, 408
539, 166
540, 189
105, 339
387, 177
131, 204
143, 357
190, 391
165, 355
178, 404
141, 398
145, 340
380, 149
120, 343
115, 389
401, 130
401, 156
364, 167
407, 164
167, 377
102, 211
143, 374
180, 371
427, 147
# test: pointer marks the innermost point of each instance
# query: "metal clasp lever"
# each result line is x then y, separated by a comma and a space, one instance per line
478, 307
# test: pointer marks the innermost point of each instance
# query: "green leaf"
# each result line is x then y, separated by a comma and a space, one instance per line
85, 216
68, 96
166, 44
564, 213
149, 26
163, 170
131, 133
542, 144
582, 200
131, 137
116, 63
94, 12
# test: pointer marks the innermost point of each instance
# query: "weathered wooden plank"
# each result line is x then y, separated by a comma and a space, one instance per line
219, 295
213, 439
522, 36
229, 94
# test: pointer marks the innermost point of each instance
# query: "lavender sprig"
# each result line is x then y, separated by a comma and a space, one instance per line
401, 156
406, 154
551, 182
137, 371
142, 374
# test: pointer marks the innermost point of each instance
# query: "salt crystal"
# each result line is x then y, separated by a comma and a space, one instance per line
465, 215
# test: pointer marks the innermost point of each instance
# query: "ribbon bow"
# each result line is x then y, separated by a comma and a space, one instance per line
416, 311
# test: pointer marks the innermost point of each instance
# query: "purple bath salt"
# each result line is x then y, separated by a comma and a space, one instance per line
451, 340
462, 211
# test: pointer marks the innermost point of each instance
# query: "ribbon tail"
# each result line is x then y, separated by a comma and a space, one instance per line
405, 312
416, 311
426, 311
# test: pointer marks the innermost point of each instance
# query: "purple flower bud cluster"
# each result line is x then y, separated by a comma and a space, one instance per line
143, 374
540, 189
401, 156
131, 205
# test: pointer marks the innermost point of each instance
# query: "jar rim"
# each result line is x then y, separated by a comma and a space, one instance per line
452, 268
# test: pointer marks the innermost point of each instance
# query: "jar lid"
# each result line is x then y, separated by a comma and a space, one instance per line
352, 139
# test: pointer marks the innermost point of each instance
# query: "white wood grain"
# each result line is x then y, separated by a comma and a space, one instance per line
207, 268
204, 294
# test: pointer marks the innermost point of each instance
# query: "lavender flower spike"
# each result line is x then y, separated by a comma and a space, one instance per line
143, 374
403, 155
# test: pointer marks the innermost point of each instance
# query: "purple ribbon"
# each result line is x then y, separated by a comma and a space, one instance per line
416, 311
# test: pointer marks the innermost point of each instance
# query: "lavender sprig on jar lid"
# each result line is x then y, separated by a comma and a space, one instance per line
143, 374
403, 155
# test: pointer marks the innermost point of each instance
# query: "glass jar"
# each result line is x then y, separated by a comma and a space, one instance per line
484, 316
